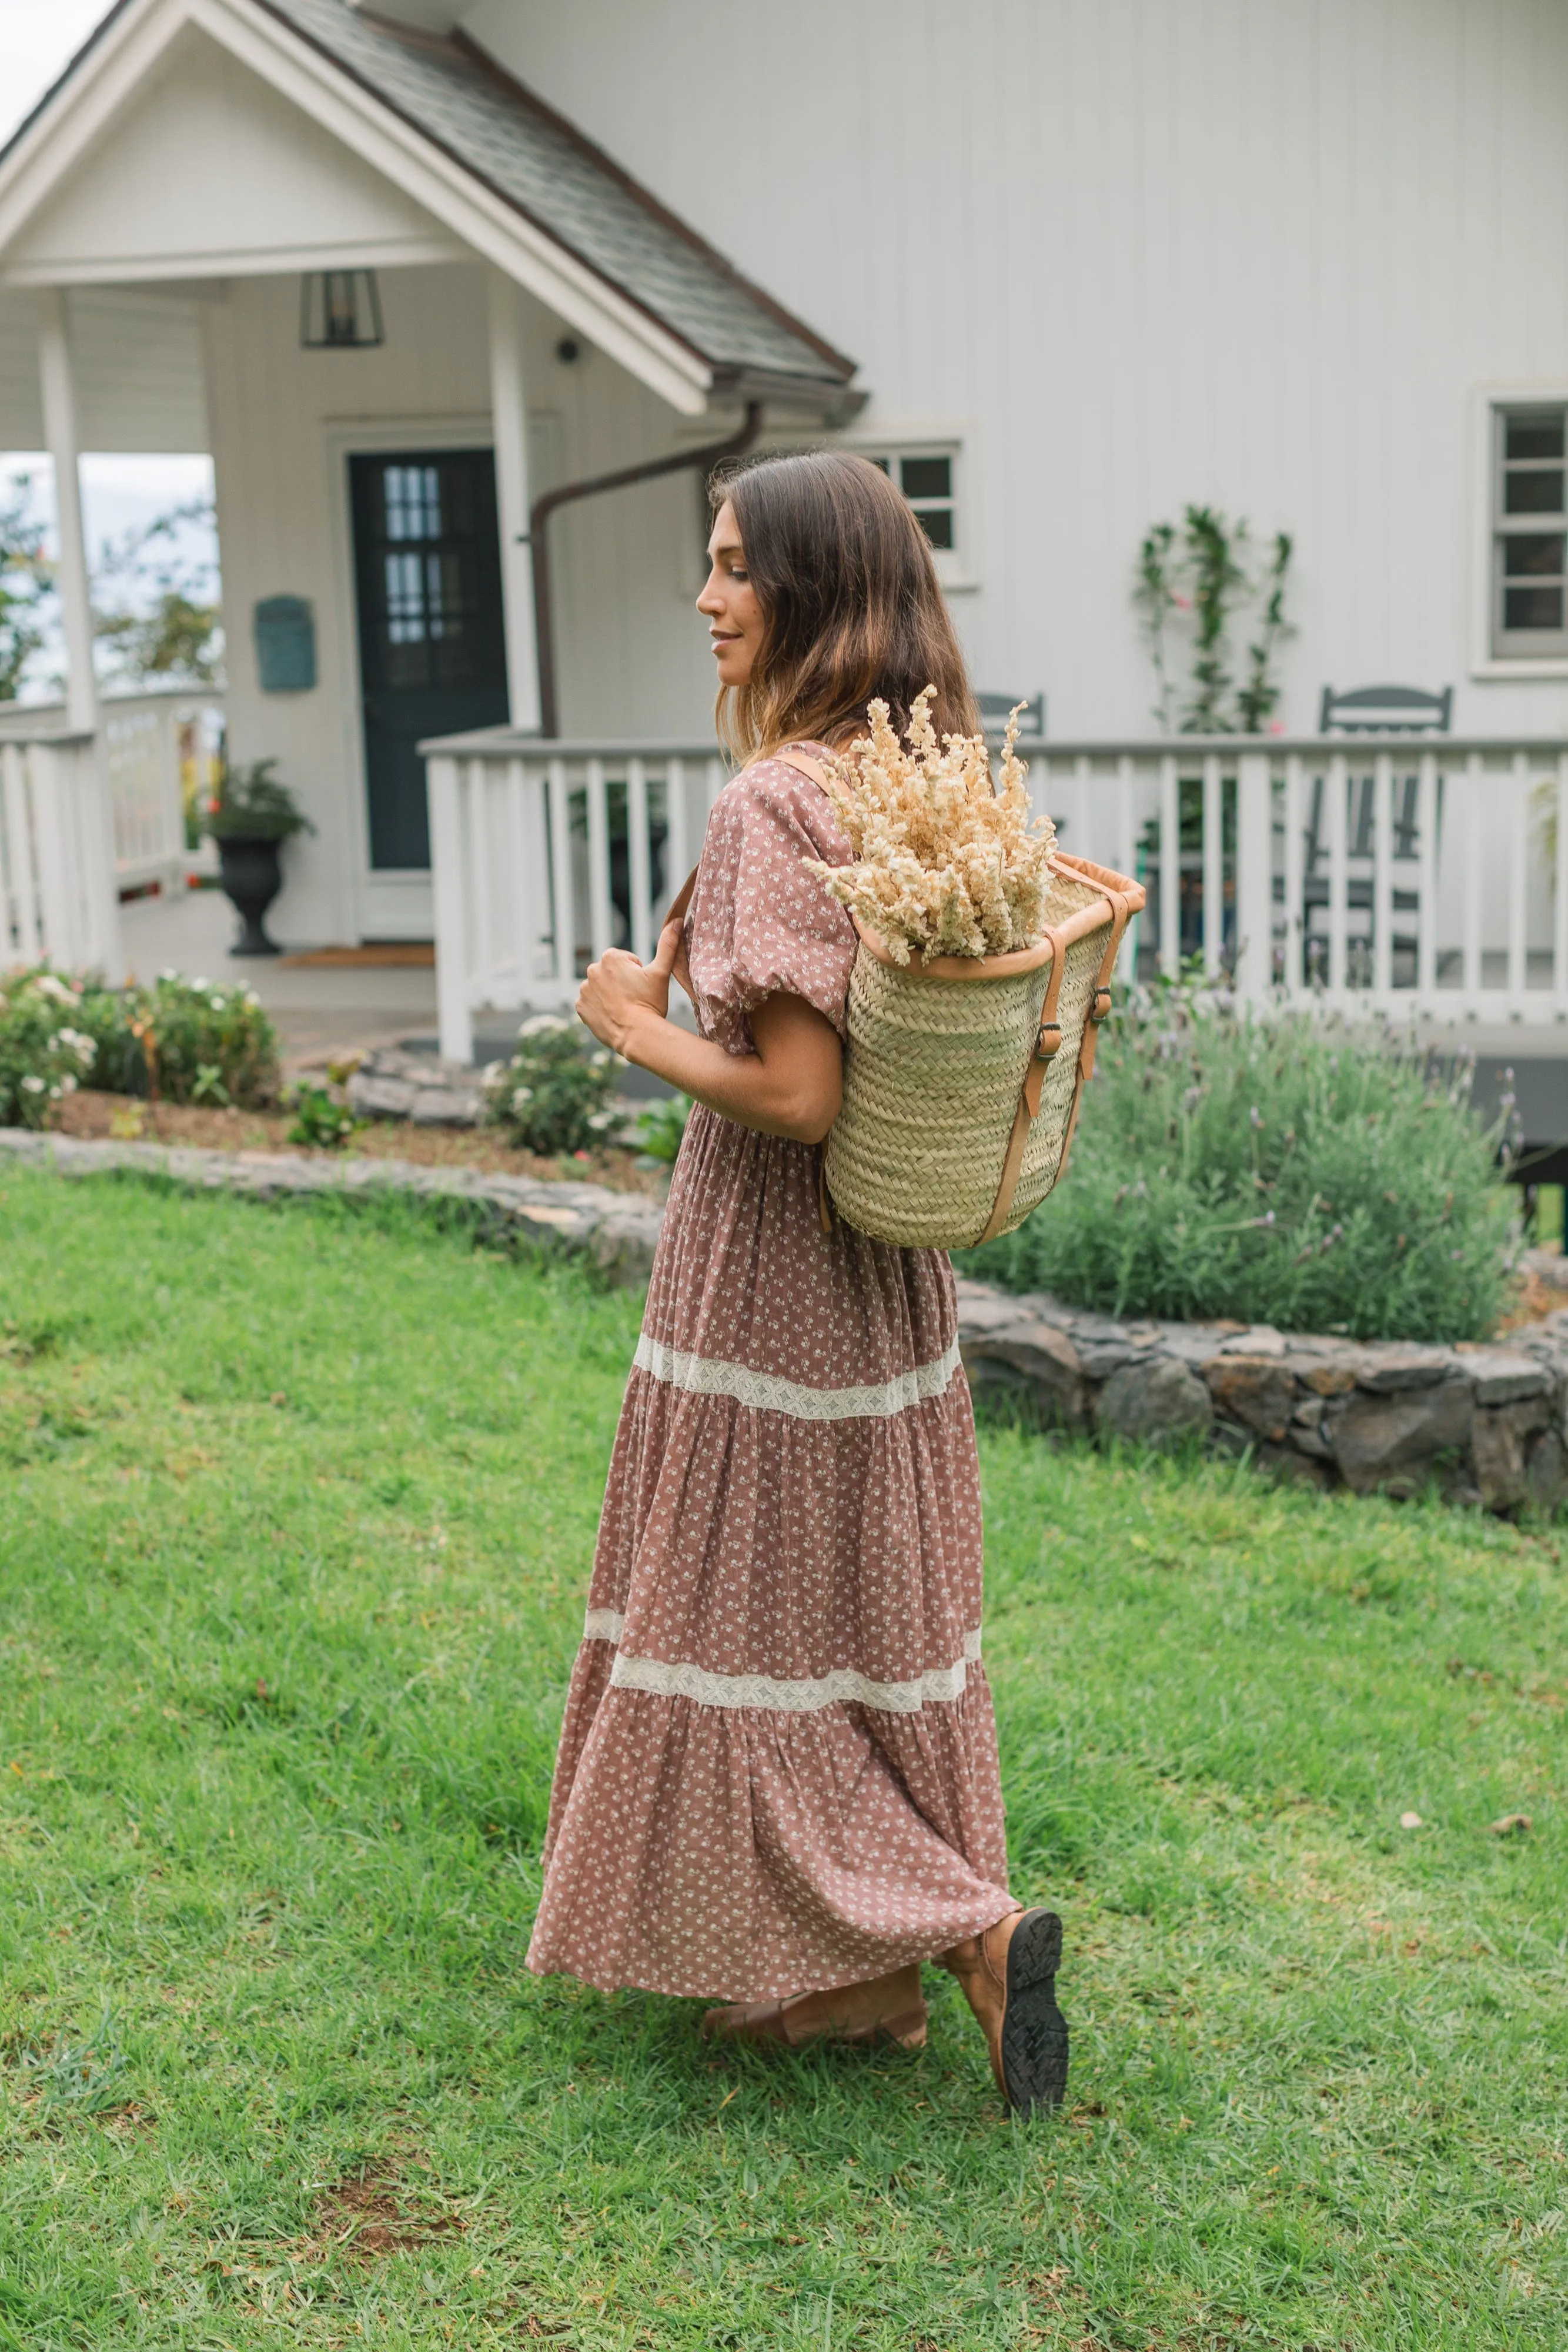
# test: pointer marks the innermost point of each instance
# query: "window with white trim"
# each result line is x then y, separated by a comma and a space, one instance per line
930, 476
1530, 530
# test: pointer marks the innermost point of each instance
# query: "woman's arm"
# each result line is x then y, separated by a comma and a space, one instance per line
791, 1086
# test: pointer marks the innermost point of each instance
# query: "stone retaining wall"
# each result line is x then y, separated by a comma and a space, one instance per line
617, 1231
1488, 1424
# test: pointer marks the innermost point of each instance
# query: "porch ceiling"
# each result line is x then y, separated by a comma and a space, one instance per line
200, 138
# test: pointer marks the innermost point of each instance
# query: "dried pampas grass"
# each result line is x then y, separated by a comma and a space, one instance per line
942, 864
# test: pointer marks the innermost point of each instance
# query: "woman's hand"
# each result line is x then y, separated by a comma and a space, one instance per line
620, 993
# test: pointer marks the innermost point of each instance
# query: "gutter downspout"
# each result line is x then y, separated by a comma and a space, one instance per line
539, 513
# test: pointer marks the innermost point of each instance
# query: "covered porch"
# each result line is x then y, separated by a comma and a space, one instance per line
398, 302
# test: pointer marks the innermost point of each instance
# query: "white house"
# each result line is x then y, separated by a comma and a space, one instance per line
1064, 267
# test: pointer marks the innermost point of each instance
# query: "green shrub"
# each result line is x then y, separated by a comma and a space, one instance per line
659, 1129
321, 1121
1286, 1170
202, 1041
554, 1093
46, 1048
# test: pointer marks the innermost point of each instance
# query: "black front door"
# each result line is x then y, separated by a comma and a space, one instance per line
433, 656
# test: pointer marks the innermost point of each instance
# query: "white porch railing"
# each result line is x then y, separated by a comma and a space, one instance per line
543, 856
158, 750
57, 894
1422, 875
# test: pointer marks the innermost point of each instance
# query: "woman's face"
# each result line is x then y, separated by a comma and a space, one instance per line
729, 602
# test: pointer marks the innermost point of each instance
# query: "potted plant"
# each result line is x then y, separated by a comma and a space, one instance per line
249, 816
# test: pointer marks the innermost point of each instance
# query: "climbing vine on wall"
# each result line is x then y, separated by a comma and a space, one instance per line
1197, 580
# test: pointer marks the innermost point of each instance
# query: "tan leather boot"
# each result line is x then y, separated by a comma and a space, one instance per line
1009, 1976
885, 2009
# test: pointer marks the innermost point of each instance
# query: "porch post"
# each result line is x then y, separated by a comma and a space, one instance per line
58, 392
509, 424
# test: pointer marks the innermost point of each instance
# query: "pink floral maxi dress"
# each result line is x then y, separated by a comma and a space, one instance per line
777, 1771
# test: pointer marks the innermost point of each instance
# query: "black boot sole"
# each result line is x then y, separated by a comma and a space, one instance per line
1034, 2031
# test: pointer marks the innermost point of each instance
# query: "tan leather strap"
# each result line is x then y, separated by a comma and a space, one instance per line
1100, 1003
1046, 1041
805, 766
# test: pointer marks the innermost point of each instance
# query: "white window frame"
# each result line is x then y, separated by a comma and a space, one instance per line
956, 567
954, 564
1490, 404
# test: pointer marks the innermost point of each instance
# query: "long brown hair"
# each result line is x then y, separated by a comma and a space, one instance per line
851, 610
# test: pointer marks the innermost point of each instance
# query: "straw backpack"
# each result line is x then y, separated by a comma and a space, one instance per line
963, 1074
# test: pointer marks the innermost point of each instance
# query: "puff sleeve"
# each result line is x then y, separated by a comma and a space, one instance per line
759, 924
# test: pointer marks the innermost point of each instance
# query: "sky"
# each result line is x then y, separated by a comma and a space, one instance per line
37, 40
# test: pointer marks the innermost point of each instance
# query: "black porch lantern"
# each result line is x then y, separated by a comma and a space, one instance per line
341, 310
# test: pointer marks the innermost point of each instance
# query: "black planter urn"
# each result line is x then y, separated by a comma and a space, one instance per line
252, 878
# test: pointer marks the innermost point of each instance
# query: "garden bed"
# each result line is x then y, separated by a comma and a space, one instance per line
101, 1117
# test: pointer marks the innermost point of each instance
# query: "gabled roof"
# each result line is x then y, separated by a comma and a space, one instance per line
512, 147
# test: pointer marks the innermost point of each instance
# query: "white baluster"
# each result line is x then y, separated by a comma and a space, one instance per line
1383, 875
1170, 869
1471, 877
1212, 866
638, 865
1517, 800
601, 912
563, 898
1426, 882
1336, 792
448, 891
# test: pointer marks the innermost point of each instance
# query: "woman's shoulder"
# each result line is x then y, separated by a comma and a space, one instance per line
772, 788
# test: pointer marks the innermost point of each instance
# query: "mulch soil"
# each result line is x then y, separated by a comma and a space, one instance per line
96, 1115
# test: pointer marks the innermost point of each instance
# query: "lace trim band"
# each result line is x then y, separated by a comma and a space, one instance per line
878, 1401
846, 1688
603, 1625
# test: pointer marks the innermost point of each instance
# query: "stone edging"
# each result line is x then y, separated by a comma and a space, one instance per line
1487, 1424
617, 1231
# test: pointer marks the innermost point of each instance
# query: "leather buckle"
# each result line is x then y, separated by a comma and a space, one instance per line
1046, 1043
1101, 1008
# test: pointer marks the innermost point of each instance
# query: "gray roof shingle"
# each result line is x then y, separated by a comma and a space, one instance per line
538, 162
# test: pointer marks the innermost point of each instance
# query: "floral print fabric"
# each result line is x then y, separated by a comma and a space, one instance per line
778, 1770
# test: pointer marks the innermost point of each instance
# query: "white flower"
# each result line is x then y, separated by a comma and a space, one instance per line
521, 1096
544, 1024
32, 1084
168, 972
201, 986
217, 1002
601, 1119
600, 1060
47, 985
67, 1086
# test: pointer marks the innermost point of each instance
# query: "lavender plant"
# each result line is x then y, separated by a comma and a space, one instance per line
1318, 1176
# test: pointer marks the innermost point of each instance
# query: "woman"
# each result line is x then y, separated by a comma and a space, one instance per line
778, 1784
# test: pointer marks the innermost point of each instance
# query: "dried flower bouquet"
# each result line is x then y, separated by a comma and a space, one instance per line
944, 864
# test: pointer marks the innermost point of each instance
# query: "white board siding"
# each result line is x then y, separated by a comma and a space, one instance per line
1257, 252
206, 170
284, 421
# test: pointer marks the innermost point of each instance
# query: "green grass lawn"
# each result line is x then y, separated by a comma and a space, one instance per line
295, 1513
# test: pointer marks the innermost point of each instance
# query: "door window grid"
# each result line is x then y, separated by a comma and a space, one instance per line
421, 606
926, 477
1530, 530
412, 499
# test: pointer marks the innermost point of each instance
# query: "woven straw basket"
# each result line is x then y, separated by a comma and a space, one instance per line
962, 1075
